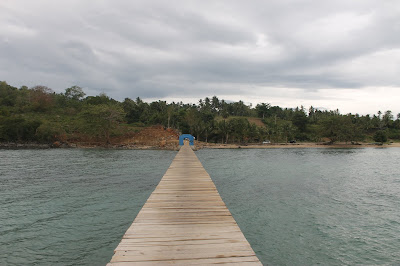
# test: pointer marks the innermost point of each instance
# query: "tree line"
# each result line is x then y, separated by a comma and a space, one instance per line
38, 114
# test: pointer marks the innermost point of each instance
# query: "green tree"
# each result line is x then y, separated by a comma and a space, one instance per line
208, 123
41, 98
253, 133
17, 128
74, 93
239, 128
215, 104
8, 94
287, 130
387, 119
49, 132
380, 136
223, 130
102, 98
331, 128
101, 120
262, 109
300, 120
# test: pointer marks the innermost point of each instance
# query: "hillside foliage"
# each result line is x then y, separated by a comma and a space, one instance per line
38, 114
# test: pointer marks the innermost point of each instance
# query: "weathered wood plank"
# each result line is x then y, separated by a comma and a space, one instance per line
251, 260
184, 222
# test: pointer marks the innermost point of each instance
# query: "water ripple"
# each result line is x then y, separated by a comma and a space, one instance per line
71, 207
313, 206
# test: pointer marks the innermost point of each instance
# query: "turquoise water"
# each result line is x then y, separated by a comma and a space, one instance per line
296, 207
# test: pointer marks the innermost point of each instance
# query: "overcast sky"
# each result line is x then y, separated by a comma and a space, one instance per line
329, 54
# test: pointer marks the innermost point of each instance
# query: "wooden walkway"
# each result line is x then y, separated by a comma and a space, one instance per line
184, 222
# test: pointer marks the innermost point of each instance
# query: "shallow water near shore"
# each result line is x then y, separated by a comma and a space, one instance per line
72, 206
313, 206
296, 207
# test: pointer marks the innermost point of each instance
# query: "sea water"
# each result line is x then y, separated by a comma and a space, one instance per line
295, 206
313, 206
71, 206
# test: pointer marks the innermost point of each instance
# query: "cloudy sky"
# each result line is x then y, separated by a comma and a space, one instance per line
329, 54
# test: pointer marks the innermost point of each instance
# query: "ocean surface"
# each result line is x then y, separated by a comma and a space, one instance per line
295, 206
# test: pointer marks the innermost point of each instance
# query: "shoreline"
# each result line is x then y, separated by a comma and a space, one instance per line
41, 146
300, 146
198, 146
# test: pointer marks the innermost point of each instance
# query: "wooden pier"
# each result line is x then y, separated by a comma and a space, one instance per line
184, 222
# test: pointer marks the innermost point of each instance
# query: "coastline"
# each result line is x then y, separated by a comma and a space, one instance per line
298, 145
42, 146
198, 146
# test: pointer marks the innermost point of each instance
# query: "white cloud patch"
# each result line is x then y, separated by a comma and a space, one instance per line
378, 68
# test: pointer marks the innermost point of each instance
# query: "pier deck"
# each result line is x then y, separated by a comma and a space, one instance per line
184, 222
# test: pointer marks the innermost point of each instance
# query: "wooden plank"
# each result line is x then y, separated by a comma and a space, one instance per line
139, 242
251, 260
171, 255
184, 222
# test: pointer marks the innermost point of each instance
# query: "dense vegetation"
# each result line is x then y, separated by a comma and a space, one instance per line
38, 114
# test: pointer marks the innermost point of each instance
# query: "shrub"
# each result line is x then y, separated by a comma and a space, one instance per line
380, 136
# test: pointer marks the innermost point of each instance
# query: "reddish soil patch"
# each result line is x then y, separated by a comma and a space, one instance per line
155, 136
255, 120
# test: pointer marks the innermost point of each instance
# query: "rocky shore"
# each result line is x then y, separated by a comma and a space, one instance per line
13, 145
56, 145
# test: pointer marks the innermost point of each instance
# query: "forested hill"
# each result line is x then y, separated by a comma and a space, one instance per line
40, 115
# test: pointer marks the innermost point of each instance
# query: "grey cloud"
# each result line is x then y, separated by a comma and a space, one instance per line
159, 49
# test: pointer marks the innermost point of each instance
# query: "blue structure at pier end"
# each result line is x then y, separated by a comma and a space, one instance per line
186, 136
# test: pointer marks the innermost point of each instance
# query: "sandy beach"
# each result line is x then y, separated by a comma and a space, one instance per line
201, 145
